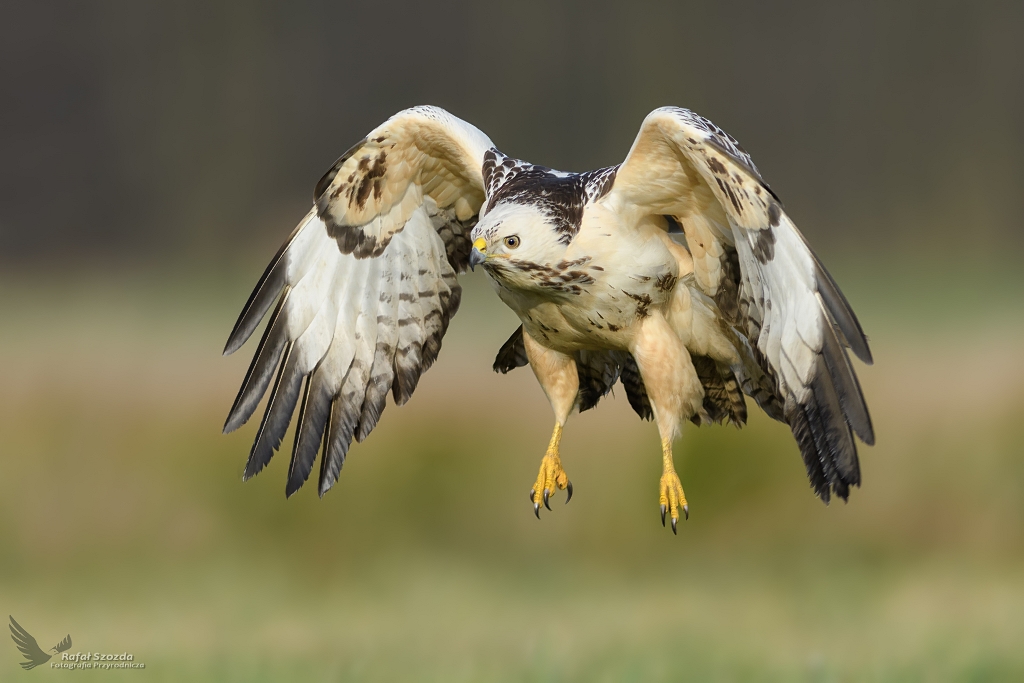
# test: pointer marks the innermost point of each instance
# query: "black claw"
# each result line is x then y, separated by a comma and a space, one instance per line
533, 494
663, 511
674, 520
546, 494
568, 492
536, 510
686, 511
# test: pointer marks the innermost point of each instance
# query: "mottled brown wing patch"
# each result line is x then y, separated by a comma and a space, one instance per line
329, 177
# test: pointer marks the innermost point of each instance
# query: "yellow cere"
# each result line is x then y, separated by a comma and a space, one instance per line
480, 243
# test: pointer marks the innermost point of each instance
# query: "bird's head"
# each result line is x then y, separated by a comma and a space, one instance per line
513, 234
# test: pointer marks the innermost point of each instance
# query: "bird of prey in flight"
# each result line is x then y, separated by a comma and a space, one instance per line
676, 272
29, 648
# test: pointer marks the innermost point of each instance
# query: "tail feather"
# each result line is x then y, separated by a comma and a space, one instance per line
723, 399
636, 392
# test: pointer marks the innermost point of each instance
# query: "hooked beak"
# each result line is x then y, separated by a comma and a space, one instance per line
479, 253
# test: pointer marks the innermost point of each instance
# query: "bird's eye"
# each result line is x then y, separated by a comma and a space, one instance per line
512, 241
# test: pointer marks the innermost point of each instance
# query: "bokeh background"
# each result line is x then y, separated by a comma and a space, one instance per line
155, 154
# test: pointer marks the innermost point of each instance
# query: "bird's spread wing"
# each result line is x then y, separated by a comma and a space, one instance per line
769, 286
365, 287
28, 646
64, 645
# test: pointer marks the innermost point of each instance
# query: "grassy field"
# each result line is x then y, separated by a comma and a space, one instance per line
123, 519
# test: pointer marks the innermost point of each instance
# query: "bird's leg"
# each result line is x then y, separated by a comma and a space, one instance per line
551, 475
675, 391
557, 375
671, 496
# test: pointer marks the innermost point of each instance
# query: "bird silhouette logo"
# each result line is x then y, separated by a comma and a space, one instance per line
28, 646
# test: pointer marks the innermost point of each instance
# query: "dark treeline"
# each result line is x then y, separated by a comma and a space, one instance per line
152, 130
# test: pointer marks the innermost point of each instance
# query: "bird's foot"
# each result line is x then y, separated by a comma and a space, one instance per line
551, 476
672, 498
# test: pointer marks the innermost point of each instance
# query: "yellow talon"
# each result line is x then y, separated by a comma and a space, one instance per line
671, 496
551, 475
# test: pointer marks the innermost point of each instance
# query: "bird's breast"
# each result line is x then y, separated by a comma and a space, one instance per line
596, 294
603, 315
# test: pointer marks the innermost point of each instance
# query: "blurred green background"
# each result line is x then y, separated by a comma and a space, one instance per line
156, 154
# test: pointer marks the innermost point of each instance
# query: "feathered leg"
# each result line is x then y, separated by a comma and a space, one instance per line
557, 375
675, 393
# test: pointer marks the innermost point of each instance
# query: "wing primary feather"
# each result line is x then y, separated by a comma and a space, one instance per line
348, 405
821, 450
842, 451
261, 369
327, 456
851, 398
291, 486
313, 421
272, 427
263, 294
796, 417
339, 437
841, 311
827, 447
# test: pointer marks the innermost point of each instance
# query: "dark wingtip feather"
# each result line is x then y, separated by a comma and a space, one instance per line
842, 447
325, 455
308, 431
841, 311
846, 385
340, 431
257, 377
824, 437
277, 415
270, 285
797, 420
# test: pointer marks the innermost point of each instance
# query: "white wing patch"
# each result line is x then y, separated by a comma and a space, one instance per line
355, 330
365, 288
